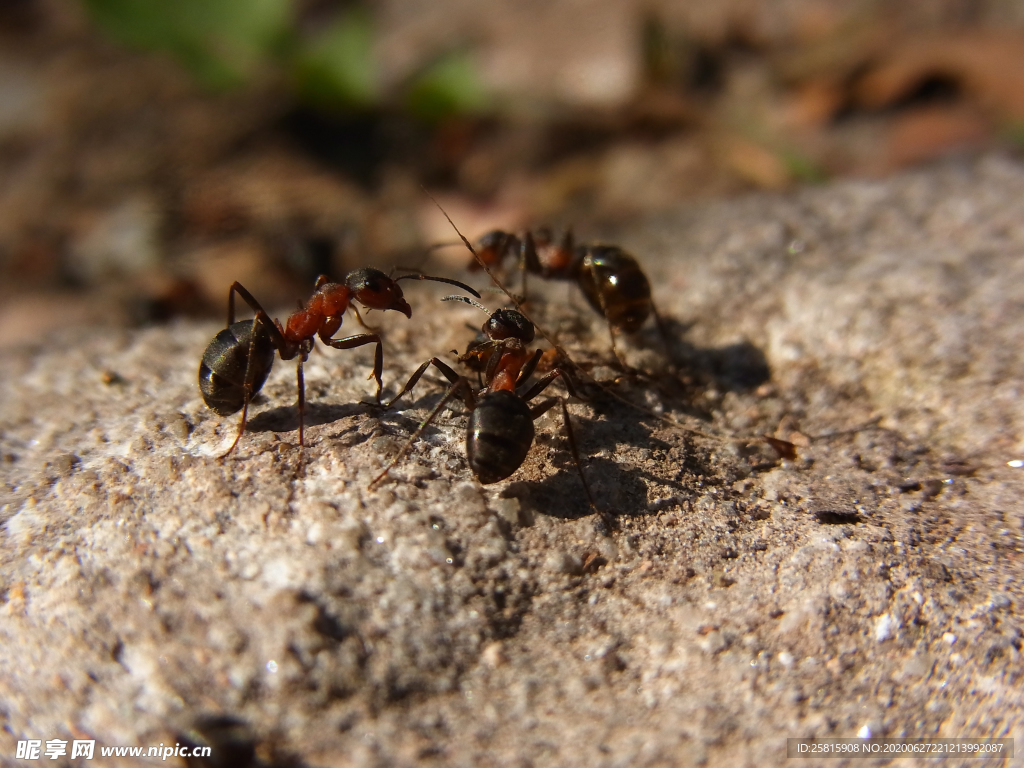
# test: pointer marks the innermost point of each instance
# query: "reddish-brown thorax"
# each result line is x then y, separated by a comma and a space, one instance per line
554, 258
321, 315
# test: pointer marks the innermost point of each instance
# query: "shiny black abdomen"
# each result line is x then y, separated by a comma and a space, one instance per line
222, 369
615, 286
500, 435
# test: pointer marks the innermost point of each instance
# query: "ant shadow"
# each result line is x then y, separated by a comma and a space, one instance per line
285, 418
740, 367
689, 371
620, 489
559, 493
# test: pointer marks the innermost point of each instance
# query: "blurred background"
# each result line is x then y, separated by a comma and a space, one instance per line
152, 151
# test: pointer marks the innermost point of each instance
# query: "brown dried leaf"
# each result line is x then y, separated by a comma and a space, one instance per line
929, 132
988, 66
784, 448
814, 104
754, 163
788, 431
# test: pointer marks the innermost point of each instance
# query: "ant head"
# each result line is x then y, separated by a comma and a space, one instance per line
496, 239
508, 324
502, 323
373, 289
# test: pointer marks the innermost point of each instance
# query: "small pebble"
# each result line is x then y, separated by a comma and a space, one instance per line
564, 562
494, 655
884, 626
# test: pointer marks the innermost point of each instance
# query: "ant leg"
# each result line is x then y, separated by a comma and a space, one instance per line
459, 388
615, 349
539, 410
527, 244
543, 382
359, 319
604, 314
300, 382
248, 298
529, 368
528, 260
663, 333
428, 251
276, 335
351, 342
449, 374
569, 241
249, 381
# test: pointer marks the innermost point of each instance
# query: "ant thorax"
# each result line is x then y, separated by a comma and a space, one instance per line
322, 314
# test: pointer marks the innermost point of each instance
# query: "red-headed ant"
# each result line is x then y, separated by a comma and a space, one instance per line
500, 431
238, 360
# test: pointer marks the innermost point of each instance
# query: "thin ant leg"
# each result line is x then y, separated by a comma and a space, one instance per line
493, 361
237, 287
301, 384
351, 342
543, 382
249, 381
539, 410
449, 374
569, 241
663, 333
546, 405
460, 388
528, 260
276, 337
427, 253
359, 319
527, 370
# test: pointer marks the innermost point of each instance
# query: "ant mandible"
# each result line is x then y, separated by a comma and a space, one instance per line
610, 279
500, 432
238, 360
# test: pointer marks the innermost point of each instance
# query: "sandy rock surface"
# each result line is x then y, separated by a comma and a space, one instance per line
873, 583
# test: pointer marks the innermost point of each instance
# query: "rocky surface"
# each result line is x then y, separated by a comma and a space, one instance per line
873, 583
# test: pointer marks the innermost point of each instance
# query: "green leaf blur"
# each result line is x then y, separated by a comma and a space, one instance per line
225, 43
448, 86
221, 42
336, 69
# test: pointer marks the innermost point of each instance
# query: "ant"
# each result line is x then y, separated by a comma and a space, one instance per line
238, 360
610, 279
500, 431
503, 243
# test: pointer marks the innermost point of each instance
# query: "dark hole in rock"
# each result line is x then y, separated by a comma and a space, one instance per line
837, 517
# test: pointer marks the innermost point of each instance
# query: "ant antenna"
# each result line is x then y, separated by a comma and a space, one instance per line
467, 300
420, 276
